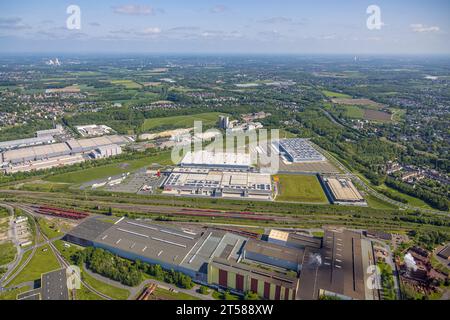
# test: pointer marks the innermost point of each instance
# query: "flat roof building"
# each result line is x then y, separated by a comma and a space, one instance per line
87, 145
218, 183
203, 254
94, 130
342, 191
53, 287
50, 132
338, 268
181, 249
35, 153
293, 240
230, 160
21, 143
298, 150
234, 262
273, 254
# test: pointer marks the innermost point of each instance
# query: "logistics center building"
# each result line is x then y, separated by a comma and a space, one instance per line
218, 183
298, 150
231, 261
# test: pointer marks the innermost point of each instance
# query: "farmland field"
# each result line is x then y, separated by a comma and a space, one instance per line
128, 84
357, 102
300, 188
375, 115
187, 121
331, 94
354, 112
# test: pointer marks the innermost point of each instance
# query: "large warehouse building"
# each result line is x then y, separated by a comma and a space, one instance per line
342, 191
233, 262
218, 183
223, 160
21, 143
207, 255
87, 145
36, 153
55, 154
298, 150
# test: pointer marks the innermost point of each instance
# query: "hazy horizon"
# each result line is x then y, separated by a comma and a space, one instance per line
227, 27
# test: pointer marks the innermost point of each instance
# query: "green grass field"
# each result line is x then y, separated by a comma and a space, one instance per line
416, 202
187, 121
84, 294
41, 262
109, 290
354, 112
300, 188
7, 253
25, 256
86, 175
49, 229
67, 252
376, 203
164, 294
45, 187
12, 294
331, 94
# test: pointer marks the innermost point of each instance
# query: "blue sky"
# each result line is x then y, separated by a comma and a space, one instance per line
244, 26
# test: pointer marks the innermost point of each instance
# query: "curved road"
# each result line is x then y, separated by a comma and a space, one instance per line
63, 263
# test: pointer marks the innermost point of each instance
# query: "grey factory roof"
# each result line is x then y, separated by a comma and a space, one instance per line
222, 159
93, 143
301, 240
90, 229
340, 269
152, 241
274, 251
54, 285
34, 294
187, 248
37, 152
30, 153
215, 244
299, 150
25, 142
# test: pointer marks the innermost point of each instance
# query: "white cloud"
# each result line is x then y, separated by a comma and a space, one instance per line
136, 10
421, 28
151, 31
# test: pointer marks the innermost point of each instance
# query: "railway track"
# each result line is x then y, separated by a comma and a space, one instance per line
63, 263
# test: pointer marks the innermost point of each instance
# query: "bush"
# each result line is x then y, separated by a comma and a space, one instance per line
250, 295
203, 290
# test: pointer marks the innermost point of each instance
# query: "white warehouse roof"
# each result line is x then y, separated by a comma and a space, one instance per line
223, 159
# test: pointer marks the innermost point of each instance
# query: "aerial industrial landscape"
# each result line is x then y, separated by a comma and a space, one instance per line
222, 177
